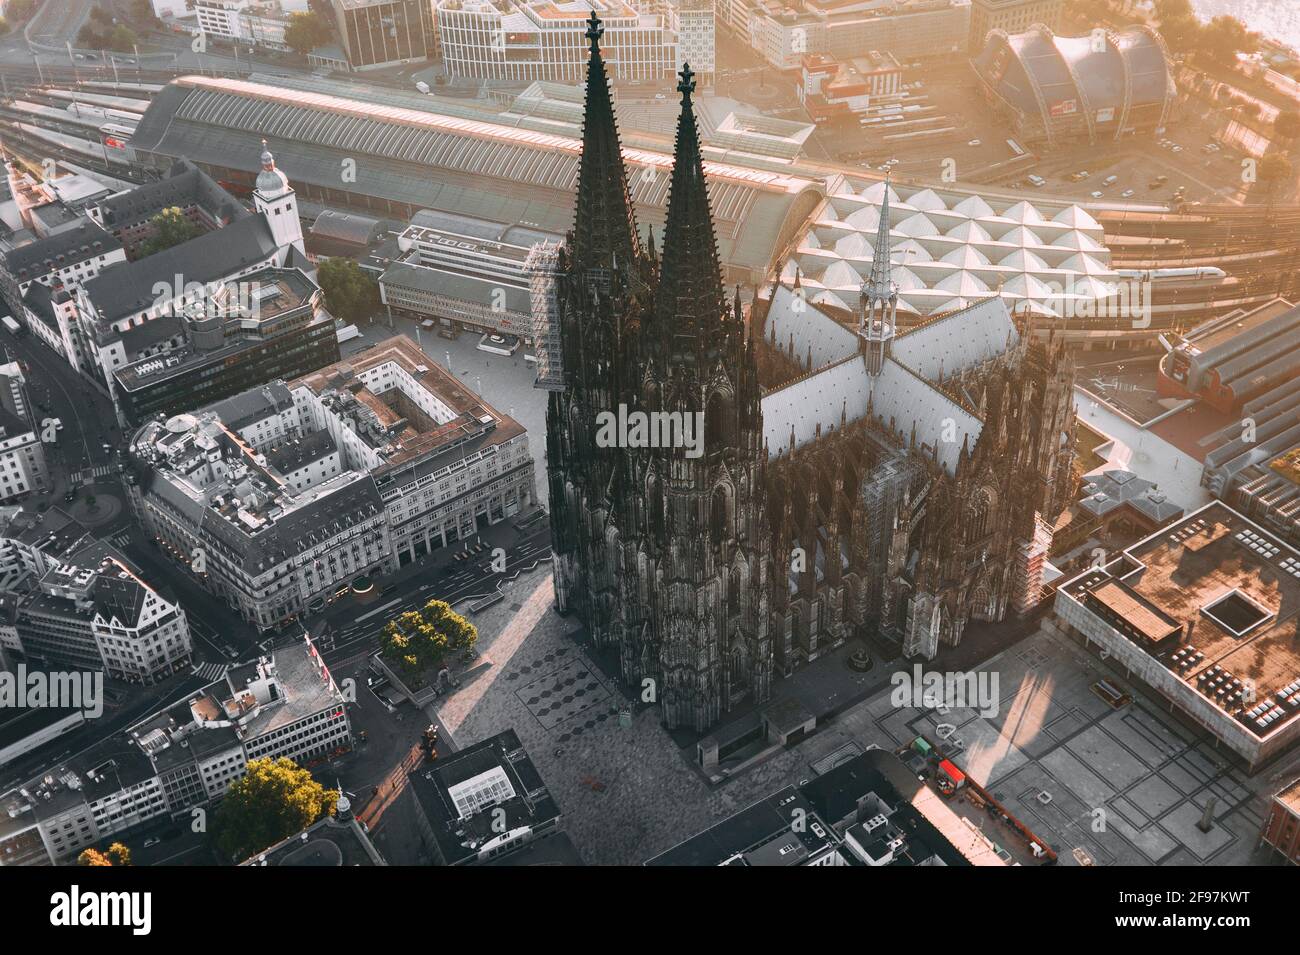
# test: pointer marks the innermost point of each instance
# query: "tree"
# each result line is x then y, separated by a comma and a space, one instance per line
306, 31
170, 227
1178, 25
419, 640
117, 855
350, 293
1287, 123
99, 15
1224, 37
272, 802
1273, 169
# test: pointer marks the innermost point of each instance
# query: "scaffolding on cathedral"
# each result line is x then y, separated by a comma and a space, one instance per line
541, 267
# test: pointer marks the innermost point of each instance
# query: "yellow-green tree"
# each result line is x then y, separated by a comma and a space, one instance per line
116, 855
419, 640
275, 799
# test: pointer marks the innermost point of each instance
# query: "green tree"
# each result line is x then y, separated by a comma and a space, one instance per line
1287, 123
419, 640
1274, 169
1224, 37
122, 39
170, 227
350, 293
272, 802
306, 31
1178, 25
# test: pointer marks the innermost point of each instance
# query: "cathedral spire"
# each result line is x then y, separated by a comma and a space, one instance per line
691, 299
604, 225
881, 280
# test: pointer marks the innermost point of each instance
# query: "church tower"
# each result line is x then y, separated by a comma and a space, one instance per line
878, 299
601, 287
702, 530
275, 198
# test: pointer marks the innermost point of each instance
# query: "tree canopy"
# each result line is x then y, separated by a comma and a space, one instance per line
350, 293
171, 227
306, 31
272, 802
116, 855
419, 640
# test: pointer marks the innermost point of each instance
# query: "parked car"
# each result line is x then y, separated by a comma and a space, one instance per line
1126, 194
973, 142
1095, 194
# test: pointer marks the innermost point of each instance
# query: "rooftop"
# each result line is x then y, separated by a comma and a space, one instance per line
1215, 599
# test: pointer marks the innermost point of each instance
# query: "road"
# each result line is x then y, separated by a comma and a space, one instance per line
56, 391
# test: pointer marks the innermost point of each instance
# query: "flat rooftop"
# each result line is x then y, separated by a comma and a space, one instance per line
1214, 598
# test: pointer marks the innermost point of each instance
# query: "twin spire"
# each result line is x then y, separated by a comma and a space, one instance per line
690, 300
604, 227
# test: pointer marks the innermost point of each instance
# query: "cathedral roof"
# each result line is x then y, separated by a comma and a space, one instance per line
902, 396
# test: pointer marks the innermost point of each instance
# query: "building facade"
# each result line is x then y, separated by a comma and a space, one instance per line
22, 438
1011, 16
520, 41
380, 33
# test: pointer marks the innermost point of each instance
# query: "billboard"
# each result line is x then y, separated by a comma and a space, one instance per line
1065, 107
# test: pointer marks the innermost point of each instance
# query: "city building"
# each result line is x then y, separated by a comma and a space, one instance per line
280, 498
255, 22
1204, 613
464, 273
867, 811
284, 704
103, 297
277, 329
520, 41
483, 803
697, 36
273, 524
75, 603
831, 89
784, 32
1011, 16
22, 438
411, 152
875, 482
444, 462
1242, 368
1281, 830
1054, 89
381, 33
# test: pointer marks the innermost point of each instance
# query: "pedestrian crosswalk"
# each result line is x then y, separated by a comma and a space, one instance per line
210, 671
86, 475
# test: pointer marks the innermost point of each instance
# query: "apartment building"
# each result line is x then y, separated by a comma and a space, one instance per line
284, 704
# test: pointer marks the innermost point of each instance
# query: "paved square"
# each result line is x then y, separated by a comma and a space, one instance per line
1128, 786
564, 694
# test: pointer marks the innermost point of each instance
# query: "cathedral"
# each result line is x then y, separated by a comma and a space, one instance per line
853, 479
